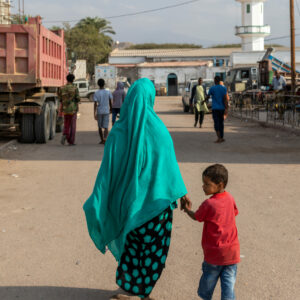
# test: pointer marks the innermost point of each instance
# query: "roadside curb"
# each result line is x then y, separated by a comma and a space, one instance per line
4, 147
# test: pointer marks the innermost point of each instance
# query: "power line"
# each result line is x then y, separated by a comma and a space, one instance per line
135, 13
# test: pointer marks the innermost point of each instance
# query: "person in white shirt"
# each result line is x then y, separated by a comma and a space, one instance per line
279, 82
102, 108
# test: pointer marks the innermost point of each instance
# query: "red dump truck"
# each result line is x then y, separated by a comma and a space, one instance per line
32, 68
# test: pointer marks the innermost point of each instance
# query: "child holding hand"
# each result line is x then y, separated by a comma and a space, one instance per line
220, 237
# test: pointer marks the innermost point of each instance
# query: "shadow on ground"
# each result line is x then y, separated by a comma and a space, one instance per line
53, 293
242, 146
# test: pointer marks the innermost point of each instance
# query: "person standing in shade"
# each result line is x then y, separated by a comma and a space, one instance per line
69, 97
118, 99
219, 107
199, 104
102, 108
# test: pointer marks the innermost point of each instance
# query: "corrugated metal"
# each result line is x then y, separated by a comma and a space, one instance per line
175, 52
173, 64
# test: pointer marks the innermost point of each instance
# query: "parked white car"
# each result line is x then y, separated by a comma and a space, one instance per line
84, 89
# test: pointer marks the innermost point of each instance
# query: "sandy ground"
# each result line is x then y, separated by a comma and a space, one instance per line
45, 250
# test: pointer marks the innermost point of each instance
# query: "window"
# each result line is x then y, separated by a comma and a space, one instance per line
245, 74
82, 85
248, 8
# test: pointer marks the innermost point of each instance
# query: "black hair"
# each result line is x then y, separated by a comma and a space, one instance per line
217, 79
101, 83
216, 173
70, 78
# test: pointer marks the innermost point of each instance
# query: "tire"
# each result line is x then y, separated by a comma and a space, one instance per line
53, 117
91, 97
42, 125
27, 129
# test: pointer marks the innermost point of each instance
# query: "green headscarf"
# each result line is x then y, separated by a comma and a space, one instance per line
139, 175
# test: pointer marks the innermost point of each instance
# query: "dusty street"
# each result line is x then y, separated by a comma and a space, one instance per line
45, 249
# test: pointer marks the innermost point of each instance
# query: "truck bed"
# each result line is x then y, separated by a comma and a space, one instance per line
31, 56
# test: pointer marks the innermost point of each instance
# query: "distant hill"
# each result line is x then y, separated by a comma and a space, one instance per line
148, 46
240, 46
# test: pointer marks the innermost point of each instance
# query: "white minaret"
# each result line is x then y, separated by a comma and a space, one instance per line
253, 30
5, 12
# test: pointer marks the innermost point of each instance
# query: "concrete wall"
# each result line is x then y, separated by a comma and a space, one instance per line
130, 73
256, 15
253, 43
80, 70
251, 58
126, 60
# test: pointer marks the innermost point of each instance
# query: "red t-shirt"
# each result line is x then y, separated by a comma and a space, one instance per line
220, 237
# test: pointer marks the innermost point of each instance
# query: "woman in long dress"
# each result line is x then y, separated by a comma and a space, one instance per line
131, 208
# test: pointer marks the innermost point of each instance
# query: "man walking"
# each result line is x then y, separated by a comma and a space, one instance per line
69, 97
102, 108
199, 104
219, 107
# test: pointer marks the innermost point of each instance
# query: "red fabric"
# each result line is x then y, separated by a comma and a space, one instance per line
220, 237
70, 127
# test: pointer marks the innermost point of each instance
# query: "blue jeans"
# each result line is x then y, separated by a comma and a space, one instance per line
209, 279
115, 112
218, 117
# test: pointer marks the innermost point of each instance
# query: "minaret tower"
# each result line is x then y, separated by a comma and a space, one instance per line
253, 30
5, 12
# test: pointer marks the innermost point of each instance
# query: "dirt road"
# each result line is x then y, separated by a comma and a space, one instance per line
45, 250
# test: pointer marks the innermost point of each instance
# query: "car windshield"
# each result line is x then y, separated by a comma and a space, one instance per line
207, 85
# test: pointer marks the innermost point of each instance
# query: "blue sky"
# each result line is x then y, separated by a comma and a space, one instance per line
206, 22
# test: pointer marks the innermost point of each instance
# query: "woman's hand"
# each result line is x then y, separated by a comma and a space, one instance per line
185, 203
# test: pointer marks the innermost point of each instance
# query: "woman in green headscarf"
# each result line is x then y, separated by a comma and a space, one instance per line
131, 208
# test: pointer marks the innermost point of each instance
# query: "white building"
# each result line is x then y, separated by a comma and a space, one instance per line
171, 68
5, 12
253, 30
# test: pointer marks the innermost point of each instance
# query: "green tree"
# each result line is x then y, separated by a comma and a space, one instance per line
89, 39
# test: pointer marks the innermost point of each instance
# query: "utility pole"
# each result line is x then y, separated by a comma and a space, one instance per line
293, 62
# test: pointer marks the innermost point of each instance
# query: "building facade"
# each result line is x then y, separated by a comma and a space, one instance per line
170, 69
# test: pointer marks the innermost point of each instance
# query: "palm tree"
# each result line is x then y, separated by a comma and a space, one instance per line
101, 25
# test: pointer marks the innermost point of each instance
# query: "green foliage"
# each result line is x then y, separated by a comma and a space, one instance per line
19, 19
148, 46
240, 45
89, 39
227, 46
272, 45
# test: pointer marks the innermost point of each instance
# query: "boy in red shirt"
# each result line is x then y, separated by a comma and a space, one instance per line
220, 237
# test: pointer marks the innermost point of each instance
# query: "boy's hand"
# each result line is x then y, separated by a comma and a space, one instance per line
185, 203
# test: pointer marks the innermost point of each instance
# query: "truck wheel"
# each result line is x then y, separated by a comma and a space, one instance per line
53, 117
91, 97
27, 129
42, 125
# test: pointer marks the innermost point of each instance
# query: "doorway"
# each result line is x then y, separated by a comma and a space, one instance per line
172, 85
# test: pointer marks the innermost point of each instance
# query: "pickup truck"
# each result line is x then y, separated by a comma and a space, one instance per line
84, 89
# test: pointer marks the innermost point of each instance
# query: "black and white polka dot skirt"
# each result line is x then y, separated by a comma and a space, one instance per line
145, 255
